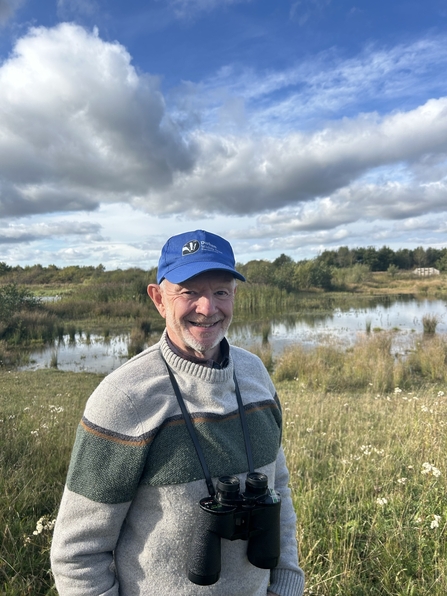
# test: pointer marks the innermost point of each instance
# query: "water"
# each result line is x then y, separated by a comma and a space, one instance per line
404, 316
344, 327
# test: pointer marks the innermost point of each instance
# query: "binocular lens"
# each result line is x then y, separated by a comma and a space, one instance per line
227, 488
256, 483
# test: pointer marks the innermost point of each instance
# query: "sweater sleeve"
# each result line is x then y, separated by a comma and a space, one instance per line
84, 538
287, 579
106, 464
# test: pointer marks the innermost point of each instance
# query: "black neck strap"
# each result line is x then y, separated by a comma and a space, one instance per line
193, 434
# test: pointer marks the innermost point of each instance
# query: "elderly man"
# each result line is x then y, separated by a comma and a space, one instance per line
155, 500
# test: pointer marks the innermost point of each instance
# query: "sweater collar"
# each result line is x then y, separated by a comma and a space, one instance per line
210, 363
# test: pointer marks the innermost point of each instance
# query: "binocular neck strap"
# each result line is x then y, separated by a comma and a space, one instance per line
193, 434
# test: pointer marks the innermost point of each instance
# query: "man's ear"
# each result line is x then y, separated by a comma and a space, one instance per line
156, 295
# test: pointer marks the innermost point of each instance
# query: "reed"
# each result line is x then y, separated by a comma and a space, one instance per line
429, 324
368, 366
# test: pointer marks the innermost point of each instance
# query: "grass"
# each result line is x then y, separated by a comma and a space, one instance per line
368, 366
368, 480
39, 412
366, 459
429, 323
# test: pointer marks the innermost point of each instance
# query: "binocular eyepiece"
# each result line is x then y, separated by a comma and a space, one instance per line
252, 515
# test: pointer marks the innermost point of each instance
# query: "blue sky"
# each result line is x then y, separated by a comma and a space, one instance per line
287, 126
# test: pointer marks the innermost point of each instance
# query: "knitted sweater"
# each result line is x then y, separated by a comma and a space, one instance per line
134, 482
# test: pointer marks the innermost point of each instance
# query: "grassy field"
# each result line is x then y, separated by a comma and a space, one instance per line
367, 473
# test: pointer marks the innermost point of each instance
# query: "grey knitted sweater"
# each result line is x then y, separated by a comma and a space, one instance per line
131, 499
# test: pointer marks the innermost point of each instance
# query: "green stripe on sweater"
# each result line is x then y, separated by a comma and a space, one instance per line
109, 470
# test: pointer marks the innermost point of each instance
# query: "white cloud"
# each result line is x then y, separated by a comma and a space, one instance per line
327, 86
27, 232
80, 125
83, 130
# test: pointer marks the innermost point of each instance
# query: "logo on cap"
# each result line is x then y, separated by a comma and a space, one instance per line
190, 247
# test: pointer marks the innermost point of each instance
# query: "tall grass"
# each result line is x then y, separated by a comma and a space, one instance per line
39, 412
368, 476
429, 324
367, 472
369, 365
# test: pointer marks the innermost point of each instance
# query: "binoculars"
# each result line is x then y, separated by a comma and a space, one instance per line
252, 515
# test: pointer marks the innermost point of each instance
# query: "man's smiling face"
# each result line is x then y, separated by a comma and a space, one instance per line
198, 312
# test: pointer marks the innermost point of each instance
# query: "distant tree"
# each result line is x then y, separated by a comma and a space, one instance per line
403, 259
371, 259
312, 274
345, 257
14, 299
385, 258
258, 271
283, 272
420, 257
441, 263
4, 268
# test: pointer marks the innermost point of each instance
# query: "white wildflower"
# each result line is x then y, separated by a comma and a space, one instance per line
428, 468
44, 524
381, 501
435, 523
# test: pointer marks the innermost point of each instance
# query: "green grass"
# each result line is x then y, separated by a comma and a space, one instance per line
368, 479
367, 474
39, 412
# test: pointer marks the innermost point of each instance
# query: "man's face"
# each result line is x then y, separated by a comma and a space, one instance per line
198, 312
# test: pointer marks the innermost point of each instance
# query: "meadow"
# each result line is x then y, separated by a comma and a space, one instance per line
364, 434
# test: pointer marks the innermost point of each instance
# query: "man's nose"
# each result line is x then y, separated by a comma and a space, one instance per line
206, 305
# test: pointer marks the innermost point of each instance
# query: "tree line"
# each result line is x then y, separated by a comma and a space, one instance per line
331, 268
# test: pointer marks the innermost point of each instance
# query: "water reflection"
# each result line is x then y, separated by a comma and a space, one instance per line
343, 325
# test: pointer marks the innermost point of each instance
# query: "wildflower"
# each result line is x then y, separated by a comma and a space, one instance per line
397, 390
427, 468
381, 501
435, 523
35, 433
44, 524
366, 449
440, 393
402, 480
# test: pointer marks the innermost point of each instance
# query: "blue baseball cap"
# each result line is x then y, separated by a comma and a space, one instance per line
188, 254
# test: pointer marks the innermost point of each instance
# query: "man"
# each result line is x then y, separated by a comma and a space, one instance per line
130, 508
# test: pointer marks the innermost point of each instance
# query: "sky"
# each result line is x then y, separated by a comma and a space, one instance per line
286, 126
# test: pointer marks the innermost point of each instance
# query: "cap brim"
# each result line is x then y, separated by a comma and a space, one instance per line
181, 274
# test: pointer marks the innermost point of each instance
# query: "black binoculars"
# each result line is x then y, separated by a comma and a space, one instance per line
252, 515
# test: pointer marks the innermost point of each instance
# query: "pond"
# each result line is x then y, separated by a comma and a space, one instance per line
403, 316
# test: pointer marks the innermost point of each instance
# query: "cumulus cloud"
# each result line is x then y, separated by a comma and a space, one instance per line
80, 125
82, 128
243, 176
13, 233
